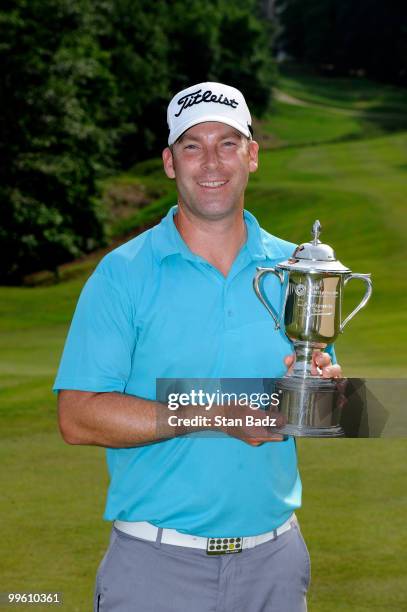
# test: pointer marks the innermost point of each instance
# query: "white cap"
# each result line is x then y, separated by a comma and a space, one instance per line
207, 102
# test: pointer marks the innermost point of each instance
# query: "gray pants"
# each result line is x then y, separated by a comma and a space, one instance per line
140, 576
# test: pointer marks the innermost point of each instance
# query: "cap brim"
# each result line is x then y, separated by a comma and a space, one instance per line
218, 118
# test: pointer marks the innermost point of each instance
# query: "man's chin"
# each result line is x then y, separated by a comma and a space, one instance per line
213, 211
217, 214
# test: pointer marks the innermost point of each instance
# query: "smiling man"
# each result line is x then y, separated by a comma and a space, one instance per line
211, 163
177, 302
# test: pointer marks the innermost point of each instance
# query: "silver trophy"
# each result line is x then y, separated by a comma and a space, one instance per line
313, 281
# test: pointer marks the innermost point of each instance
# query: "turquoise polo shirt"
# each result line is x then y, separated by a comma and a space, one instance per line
153, 309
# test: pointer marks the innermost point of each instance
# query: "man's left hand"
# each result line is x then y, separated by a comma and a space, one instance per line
321, 365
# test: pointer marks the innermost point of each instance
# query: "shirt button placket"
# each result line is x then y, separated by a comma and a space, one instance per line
227, 307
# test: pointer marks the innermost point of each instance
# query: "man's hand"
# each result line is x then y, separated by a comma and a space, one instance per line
252, 434
321, 365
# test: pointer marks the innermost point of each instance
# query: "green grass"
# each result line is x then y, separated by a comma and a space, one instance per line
302, 125
347, 170
52, 501
145, 216
353, 519
137, 198
358, 94
357, 191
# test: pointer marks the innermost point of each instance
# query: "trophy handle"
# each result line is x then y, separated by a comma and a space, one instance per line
256, 285
367, 280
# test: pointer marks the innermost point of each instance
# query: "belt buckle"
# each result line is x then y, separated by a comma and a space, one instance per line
224, 546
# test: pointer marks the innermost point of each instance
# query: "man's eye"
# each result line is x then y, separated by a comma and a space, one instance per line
190, 147
229, 143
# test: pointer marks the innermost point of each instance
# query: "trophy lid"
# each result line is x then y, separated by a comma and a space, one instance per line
314, 256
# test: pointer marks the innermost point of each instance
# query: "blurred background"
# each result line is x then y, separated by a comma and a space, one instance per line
84, 88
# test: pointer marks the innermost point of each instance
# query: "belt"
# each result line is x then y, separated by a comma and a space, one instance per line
213, 546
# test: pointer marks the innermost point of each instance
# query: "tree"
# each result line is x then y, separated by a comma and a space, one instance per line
245, 54
368, 35
84, 88
57, 95
134, 34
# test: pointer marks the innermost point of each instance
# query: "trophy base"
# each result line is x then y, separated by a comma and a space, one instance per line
312, 432
310, 405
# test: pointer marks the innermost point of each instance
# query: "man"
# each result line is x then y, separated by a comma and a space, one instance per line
177, 302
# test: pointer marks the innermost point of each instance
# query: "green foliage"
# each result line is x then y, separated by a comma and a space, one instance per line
342, 36
193, 34
57, 95
134, 34
244, 58
222, 41
84, 88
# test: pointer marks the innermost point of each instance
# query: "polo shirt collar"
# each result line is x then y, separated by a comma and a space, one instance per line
166, 240
260, 244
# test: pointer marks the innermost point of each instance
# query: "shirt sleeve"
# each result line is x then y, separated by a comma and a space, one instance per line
101, 339
330, 349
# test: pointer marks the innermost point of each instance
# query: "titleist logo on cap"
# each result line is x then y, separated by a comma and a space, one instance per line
206, 102
195, 97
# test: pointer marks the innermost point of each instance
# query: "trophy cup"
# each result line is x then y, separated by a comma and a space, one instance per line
313, 281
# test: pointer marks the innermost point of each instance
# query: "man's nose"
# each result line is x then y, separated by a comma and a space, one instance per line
211, 158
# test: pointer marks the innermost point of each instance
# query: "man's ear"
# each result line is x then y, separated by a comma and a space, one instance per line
168, 161
253, 155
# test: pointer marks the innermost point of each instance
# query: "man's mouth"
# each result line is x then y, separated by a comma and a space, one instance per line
212, 184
